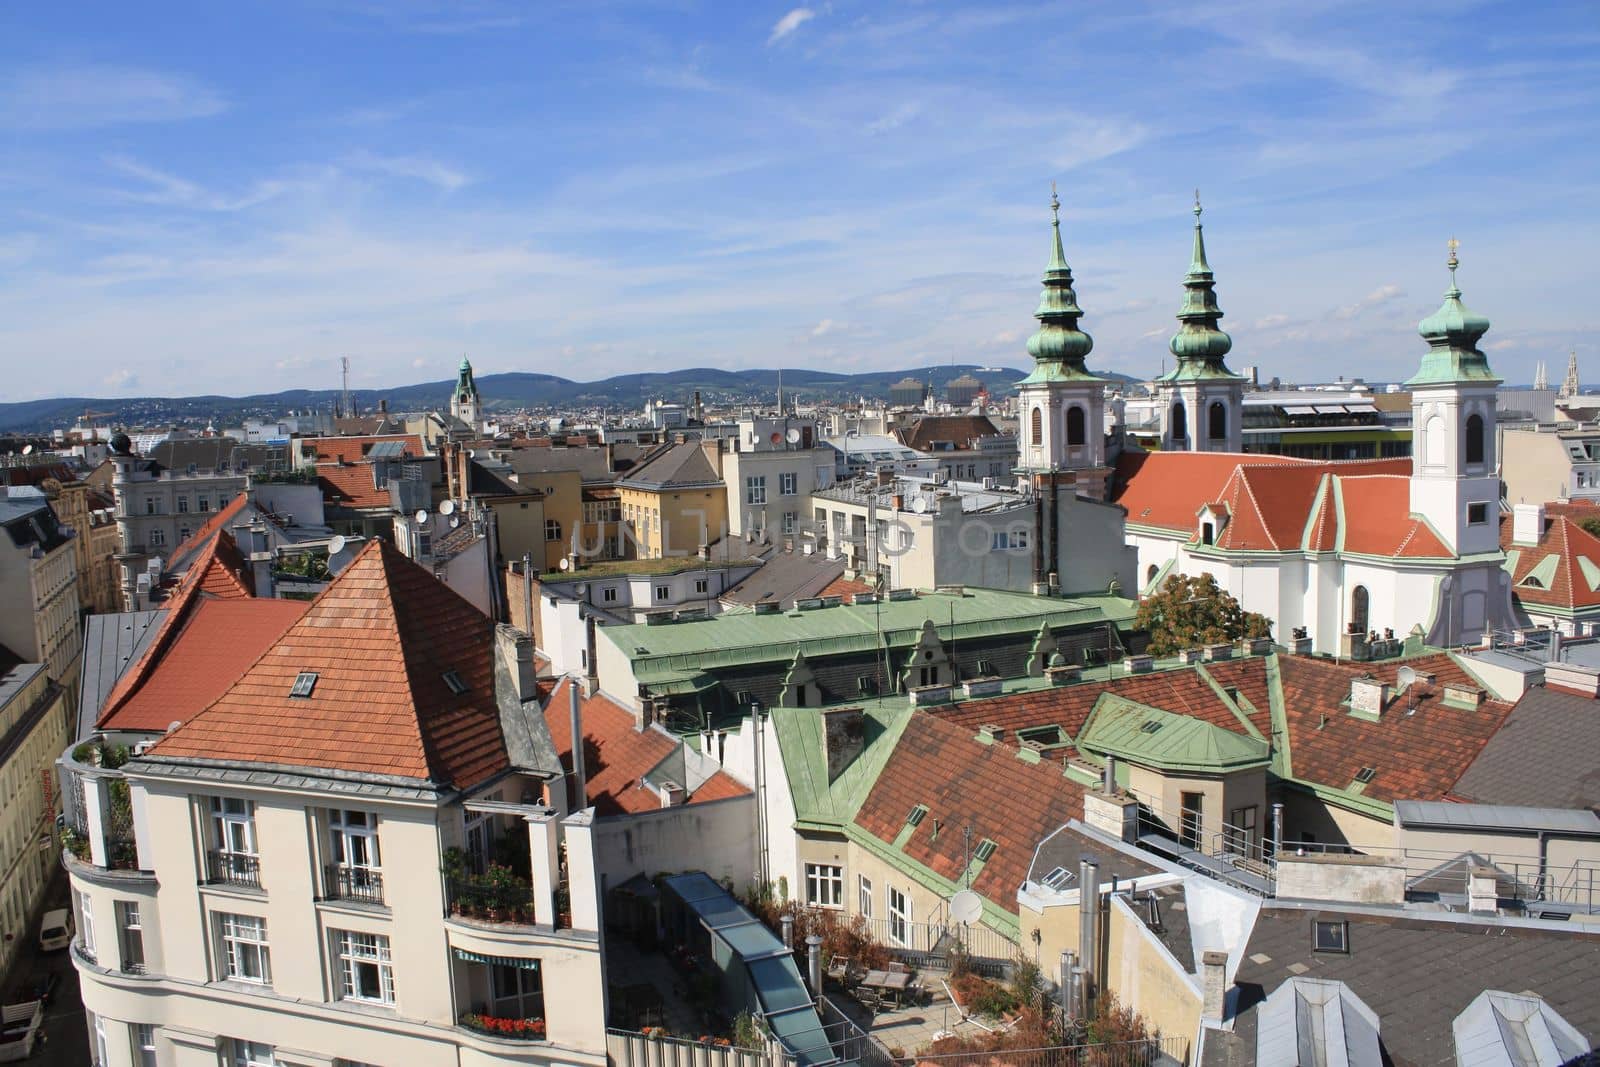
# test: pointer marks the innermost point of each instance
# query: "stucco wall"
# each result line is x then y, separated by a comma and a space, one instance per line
717, 837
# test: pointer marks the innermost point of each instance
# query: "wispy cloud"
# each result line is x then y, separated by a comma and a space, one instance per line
163, 188
85, 96
1383, 294
789, 23
421, 168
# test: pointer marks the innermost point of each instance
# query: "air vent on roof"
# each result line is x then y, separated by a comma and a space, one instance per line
304, 683
984, 850
918, 813
1150, 726
453, 680
1365, 774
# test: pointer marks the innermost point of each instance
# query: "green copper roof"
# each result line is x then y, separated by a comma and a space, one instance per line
1199, 343
1452, 334
1154, 738
805, 762
1059, 347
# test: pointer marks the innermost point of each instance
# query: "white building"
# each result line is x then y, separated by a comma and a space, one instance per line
770, 470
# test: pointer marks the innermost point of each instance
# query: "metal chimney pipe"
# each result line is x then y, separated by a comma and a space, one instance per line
1277, 829
814, 963
575, 715
1069, 963
1108, 779
787, 922
1555, 646
1089, 926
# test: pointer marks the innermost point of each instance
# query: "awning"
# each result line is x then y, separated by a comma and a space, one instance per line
526, 963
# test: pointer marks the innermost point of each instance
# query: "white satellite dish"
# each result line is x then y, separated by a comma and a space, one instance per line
919, 505
336, 545
966, 907
27, 450
447, 508
793, 435
455, 520
422, 516
563, 564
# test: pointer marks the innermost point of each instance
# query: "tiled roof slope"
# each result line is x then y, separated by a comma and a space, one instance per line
223, 572
354, 449
219, 520
682, 464
960, 430
616, 756
1417, 754
1543, 757
1565, 584
350, 486
1003, 798
1378, 520
380, 638
219, 640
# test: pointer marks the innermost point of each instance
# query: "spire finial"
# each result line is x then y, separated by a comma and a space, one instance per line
1197, 207
1453, 262
1055, 204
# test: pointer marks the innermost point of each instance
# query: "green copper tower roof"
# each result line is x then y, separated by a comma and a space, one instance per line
1059, 347
1199, 343
1452, 334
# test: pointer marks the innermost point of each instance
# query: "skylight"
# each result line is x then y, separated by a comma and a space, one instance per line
453, 680
984, 850
1057, 878
1330, 935
1150, 726
1365, 774
918, 813
304, 683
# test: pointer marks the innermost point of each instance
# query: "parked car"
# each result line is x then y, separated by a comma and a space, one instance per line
55, 930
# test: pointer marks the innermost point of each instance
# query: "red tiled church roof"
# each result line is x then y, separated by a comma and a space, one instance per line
380, 638
616, 756
1378, 520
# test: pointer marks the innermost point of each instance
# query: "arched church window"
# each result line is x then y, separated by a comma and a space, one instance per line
1075, 434
1433, 441
1474, 438
1180, 422
1036, 428
1217, 419
1359, 613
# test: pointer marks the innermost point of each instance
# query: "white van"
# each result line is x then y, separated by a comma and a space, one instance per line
55, 930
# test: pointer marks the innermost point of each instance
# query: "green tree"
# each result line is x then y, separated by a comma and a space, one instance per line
1188, 612
1591, 524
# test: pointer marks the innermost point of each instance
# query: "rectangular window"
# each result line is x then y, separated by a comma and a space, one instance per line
144, 1045
355, 873
1241, 830
202, 503
131, 933
789, 519
824, 885
700, 585
552, 530
102, 1053
517, 992
864, 895
608, 596
1477, 514
304, 683
366, 971
244, 955
233, 833
1330, 935
158, 538
899, 917
86, 925
755, 489
183, 504
662, 592
250, 1054
788, 483
150, 505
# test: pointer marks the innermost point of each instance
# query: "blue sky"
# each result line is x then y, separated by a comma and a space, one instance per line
228, 197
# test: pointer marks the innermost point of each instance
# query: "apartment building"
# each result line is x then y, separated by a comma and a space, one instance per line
674, 501
34, 718
771, 469
91, 514
340, 860
39, 584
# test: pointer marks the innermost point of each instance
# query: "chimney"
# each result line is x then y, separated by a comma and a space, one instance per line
515, 649
844, 735
1527, 524
1108, 779
1366, 697
575, 722
673, 795
814, 963
1213, 985
1089, 927
1482, 896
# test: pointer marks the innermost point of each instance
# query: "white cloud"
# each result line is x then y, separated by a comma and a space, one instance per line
1384, 294
1091, 140
1271, 322
789, 23
122, 379
173, 191
79, 97
896, 118
421, 168
823, 328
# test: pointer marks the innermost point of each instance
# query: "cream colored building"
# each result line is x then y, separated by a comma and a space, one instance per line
39, 587
33, 728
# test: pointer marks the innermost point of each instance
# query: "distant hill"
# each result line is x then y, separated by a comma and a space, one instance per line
504, 392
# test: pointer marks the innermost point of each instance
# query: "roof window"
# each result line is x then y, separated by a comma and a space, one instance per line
984, 850
1330, 935
304, 683
918, 813
1365, 774
1058, 878
453, 680
1150, 726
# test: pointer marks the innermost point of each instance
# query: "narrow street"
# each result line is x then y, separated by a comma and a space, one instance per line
65, 1039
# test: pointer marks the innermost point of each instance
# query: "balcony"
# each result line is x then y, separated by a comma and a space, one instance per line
497, 896
359, 885
233, 868
97, 826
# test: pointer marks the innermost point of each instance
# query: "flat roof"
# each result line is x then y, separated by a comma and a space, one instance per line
1439, 813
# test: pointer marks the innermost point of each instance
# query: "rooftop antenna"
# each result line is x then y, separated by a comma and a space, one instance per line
344, 400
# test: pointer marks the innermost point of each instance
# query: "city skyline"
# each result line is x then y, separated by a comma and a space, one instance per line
197, 204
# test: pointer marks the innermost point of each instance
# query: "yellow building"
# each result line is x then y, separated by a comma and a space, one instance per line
675, 502
91, 512
33, 731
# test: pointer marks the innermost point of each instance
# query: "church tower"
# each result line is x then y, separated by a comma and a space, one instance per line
1455, 483
464, 403
1061, 405
1202, 400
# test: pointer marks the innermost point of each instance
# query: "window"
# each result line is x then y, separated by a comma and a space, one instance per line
1208, 533
899, 917
1180, 422
202, 503
233, 828
663, 592
102, 1053
864, 895
608, 596
353, 848
755, 489
552, 530
1366, 774
1475, 439
183, 534
144, 1045
788, 483
1330, 935
244, 949
453, 682
789, 521
1075, 426
86, 925
150, 506
1036, 427
251, 1054
517, 992
701, 585
131, 933
158, 538
1217, 421
1191, 818
1241, 830
1360, 604
1477, 514
304, 683
183, 504
824, 885
366, 972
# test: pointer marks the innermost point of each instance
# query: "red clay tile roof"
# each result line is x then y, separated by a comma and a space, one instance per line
355, 449
1378, 520
350, 486
379, 638
1418, 755
1567, 587
223, 572
218, 641
616, 756
962, 782
845, 587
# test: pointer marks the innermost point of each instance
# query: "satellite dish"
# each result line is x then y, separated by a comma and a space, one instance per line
422, 516
455, 520
27, 450
563, 563
793, 436
966, 907
447, 508
919, 505
336, 545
